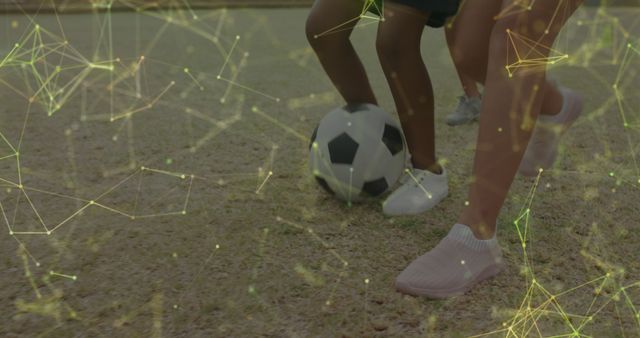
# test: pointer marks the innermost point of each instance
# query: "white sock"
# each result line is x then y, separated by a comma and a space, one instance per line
464, 235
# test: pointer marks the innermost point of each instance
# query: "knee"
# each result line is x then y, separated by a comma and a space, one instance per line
314, 29
391, 48
522, 35
500, 35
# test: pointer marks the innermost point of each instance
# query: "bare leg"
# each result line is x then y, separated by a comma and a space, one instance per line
328, 29
509, 107
468, 36
470, 252
398, 47
469, 84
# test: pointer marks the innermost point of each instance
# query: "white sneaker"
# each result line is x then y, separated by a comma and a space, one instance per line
421, 191
467, 111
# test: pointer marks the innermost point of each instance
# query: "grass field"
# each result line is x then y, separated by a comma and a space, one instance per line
135, 164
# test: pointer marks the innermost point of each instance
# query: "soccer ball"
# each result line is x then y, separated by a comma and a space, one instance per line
357, 151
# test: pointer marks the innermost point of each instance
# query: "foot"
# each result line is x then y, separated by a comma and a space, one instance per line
468, 110
420, 191
542, 150
454, 266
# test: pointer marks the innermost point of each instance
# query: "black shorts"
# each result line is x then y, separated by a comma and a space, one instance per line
440, 10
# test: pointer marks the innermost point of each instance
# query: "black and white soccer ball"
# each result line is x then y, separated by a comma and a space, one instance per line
357, 151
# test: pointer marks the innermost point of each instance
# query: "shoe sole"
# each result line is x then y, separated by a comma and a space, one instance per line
417, 212
447, 293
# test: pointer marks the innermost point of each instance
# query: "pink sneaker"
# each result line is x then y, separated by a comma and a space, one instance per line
542, 150
454, 266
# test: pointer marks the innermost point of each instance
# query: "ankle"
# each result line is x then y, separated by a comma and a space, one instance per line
432, 167
481, 230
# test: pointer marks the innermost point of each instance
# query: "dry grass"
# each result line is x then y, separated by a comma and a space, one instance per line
230, 267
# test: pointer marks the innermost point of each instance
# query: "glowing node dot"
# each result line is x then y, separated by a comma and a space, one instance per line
611, 174
143, 168
92, 202
183, 177
466, 203
218, 77
500, 129
37, 263
74, 277
49, 232
217, 246
366, 281
462, 262
237, 37
11, 233
175, 306
184, 212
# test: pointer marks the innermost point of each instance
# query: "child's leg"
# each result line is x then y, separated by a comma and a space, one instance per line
469, 84
398, 46
328, 29
470, 254
468, 43
510, 108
